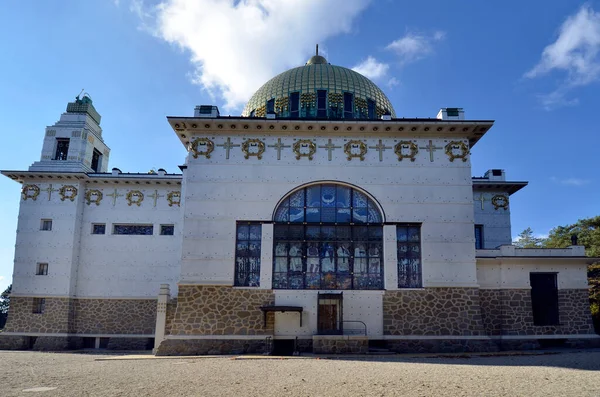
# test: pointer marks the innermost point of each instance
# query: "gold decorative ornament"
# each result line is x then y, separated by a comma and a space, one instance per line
361, 104
261, 111
457, 150
354, 149
406, 150
500, 201
67, 192
335, 98
304, 148
30, 192
134, 197
307, 99
281, 104
202, 147
93, 196
253, 147
174, 198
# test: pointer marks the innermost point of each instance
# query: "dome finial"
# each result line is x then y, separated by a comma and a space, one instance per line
316, 59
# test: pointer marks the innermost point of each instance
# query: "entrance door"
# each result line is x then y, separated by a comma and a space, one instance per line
544, 298
330, 315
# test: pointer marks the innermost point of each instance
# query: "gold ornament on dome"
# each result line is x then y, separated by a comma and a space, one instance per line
281, 104
335, 98
307, 99
174, 198
457, 150
355, 149
406, 150
500, 201
67, 192
93, 196
134, 197
304, 148
202, 147
253, 147
361, 104
30, 192
261, 111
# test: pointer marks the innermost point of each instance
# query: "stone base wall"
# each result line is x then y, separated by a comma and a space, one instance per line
171, 308
130, 343
57, 343
213, 310
442, 346
115, 316
194, 347
509, 312
14, 342
432, 311
57, 316
340, 345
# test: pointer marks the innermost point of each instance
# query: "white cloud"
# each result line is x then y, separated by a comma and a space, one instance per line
392, 82
236, 46
571, 181
414, 46
2, 278
575, 52
372, 68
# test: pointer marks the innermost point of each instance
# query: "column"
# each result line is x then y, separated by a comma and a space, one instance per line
266, 256
161, 315
390, 259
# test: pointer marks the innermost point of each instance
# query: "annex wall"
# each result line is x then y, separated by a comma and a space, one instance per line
495, 219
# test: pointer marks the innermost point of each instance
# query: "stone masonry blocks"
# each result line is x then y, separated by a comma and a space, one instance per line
115, 316
432, 311
215, 310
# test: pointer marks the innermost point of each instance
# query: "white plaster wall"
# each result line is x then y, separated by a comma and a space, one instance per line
129, 265
514, 273
496, 222
220, 191
365, 306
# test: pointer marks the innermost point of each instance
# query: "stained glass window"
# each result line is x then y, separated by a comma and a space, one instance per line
247, 254
140, 230
98, 228
409, 255
478, 237
167, 230
328, 237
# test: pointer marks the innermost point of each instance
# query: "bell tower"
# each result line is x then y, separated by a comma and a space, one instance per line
74, 143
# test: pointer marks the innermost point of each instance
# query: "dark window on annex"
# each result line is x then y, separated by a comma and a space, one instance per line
247, 254
328, 237
409, 255
140, 230
544, 298
478, 237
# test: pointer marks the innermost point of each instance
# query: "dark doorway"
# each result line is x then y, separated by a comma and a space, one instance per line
330, 314
283, 347
544, 298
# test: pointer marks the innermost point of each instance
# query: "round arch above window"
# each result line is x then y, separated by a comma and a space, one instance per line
328, 203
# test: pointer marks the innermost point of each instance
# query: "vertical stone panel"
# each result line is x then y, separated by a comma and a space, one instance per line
213, 310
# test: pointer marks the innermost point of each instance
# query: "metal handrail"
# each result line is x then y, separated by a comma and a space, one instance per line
355, 321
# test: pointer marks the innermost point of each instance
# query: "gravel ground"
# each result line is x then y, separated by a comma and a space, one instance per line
66, 374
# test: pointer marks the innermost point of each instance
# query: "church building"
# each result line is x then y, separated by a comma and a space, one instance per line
319, 220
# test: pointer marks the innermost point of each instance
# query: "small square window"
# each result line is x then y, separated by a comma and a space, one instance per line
167, 230
98, 228
39, 304
46, 224
42, 269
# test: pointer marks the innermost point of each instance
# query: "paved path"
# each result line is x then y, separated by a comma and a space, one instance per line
68, 374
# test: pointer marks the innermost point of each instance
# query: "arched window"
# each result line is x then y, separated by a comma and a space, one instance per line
328, 236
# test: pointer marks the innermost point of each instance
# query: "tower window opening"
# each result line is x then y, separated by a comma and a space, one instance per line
295, 105
96, 156
321, 104
62, 149
348, 105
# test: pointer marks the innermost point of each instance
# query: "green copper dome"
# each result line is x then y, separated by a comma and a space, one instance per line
319, 90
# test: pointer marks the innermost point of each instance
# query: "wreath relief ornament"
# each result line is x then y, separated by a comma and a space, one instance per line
304, 148
500, 201
202, 147
134, 197
174, 198
93, 196
355, 149
406, 150
30, 192
253, 147
67, 192
457, 150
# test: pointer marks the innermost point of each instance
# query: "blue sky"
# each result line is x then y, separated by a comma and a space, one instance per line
532, 66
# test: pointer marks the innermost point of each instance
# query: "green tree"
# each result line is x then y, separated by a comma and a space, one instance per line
5, 299
528, 240
588, 235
